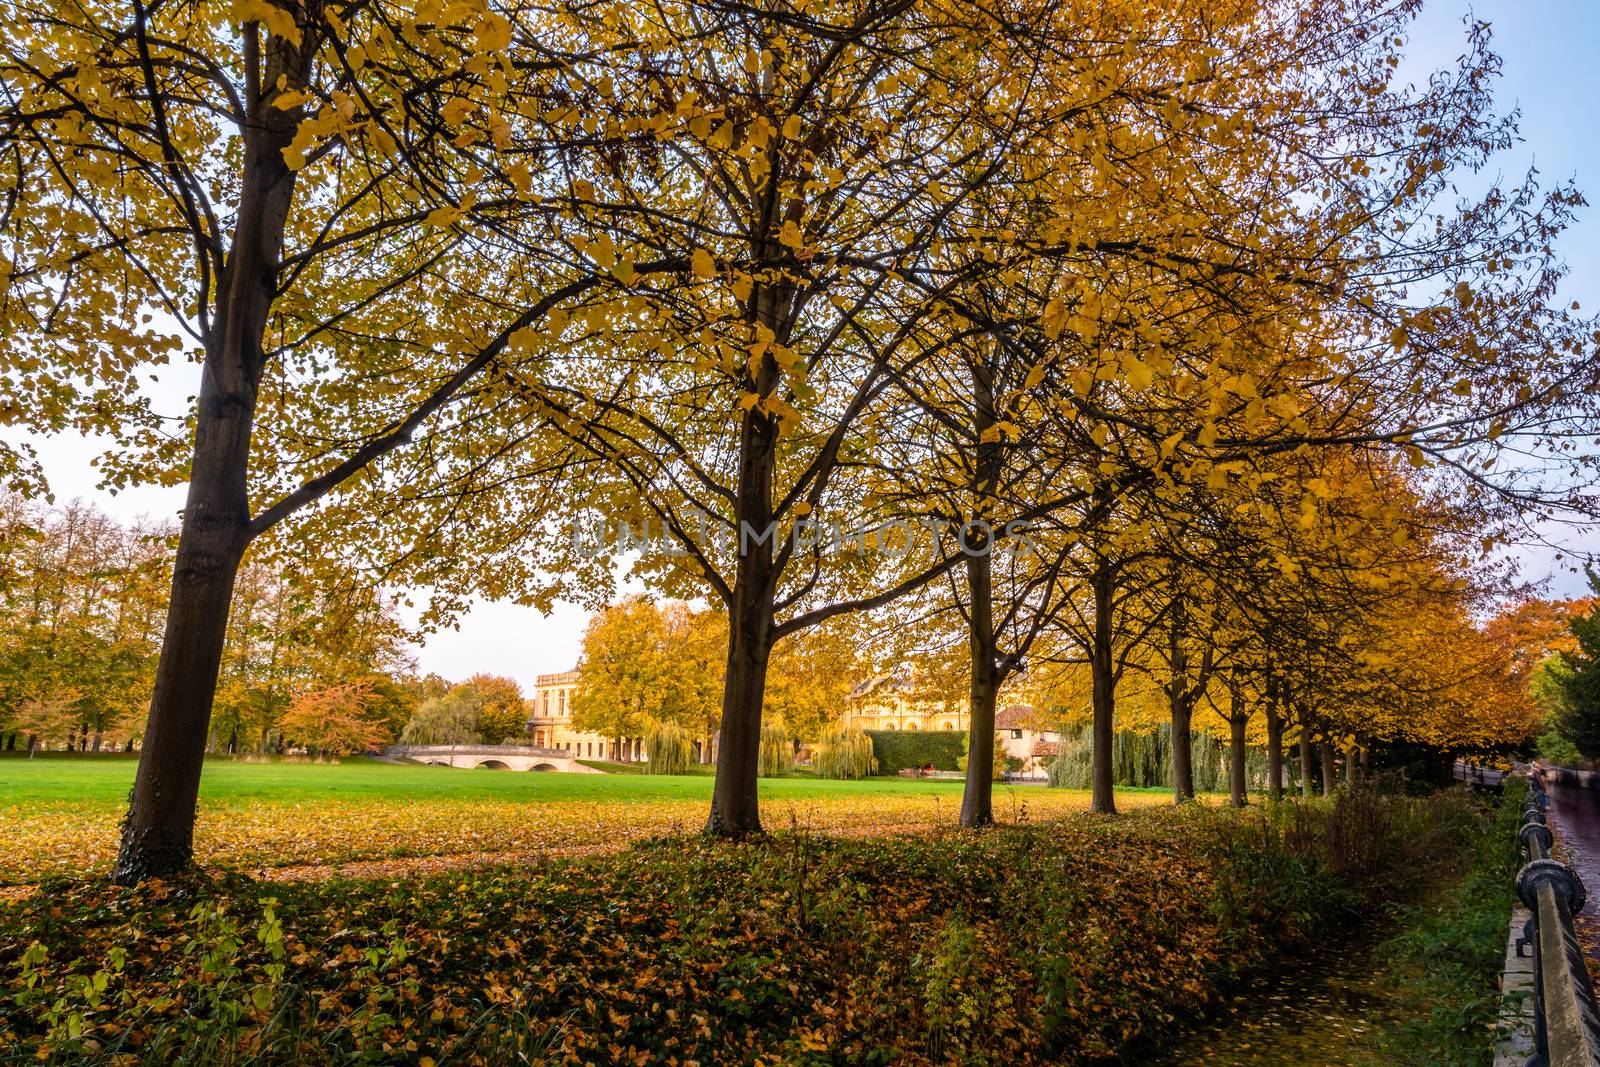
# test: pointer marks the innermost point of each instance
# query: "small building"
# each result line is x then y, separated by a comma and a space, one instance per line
1025, 736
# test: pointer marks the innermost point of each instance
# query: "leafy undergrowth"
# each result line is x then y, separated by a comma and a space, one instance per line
1448, 956
257, 836
1072, 941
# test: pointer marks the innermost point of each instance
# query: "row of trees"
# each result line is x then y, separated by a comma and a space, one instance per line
316, 658
1180, 292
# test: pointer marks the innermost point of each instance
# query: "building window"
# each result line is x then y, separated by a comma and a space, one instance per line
949, 726
1016, 734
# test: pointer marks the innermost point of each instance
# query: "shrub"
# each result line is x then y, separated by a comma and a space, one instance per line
667, 748
777, 752
897, 750
843, 753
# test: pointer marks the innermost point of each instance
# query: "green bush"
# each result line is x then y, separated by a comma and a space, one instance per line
898, 750
843, 754
667, 747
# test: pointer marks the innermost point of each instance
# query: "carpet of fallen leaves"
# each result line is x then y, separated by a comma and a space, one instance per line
393, 836
1068, 941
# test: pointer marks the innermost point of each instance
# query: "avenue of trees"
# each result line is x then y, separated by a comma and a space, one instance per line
1126, 340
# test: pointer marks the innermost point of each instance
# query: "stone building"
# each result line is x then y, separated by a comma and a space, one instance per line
554, 701
893, 703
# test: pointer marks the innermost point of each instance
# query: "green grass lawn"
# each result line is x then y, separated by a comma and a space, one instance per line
61, 778
63, 811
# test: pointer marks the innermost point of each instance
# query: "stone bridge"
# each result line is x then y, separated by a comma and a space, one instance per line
494, 757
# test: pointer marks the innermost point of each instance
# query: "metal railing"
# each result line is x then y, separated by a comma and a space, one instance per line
1567, 1025
1489, 777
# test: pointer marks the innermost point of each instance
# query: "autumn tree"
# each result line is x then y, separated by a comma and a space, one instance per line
277, 186
333, 721
502, 710
628, 673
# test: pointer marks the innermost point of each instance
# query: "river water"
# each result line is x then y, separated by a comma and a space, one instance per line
1330, 1011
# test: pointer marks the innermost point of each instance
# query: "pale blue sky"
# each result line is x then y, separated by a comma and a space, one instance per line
1551, 53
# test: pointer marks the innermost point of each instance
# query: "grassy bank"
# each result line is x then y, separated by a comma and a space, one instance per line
1449, 951
1067, 941
1415, 984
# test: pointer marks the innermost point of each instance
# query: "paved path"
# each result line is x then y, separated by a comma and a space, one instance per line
1575, 816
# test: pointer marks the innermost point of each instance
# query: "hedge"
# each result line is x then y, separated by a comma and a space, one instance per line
898, 750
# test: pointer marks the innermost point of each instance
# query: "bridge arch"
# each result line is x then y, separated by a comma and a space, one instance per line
544, 767
494, 765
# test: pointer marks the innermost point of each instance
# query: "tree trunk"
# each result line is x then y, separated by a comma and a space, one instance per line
1352, 763
1305, 762
1103, 671
984, 676
735, 808
1182, 751
1179, 706
1236, 780
976, 810
157, 836
1325, 750
1274, 744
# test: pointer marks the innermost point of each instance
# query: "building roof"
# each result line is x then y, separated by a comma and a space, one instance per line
872, 685
563, 678
1015, 717
1047, 748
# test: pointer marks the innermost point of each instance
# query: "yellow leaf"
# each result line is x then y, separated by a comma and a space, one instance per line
492, 34
442, 216
702, 264
790, 236
382, 140
1137, 372
291, 98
